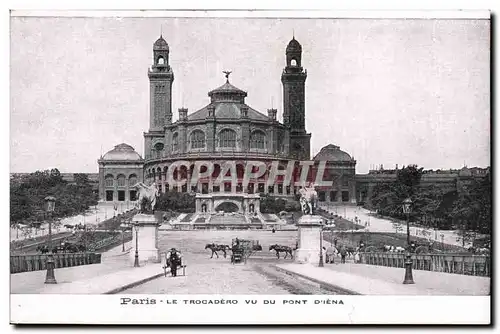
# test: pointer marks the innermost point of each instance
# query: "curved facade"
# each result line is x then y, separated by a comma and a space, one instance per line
225, 129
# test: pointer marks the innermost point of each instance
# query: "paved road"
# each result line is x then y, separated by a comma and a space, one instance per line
385, 225
218, 275
94, 215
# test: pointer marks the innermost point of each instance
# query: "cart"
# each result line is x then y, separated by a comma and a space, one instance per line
166, 264
242, 249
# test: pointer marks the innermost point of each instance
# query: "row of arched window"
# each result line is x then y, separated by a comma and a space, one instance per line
121, 180
227, 139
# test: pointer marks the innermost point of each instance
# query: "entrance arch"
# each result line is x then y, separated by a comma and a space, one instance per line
230, 203
227, 206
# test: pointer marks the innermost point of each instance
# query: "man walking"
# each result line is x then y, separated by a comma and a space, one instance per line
330, 255
343, 253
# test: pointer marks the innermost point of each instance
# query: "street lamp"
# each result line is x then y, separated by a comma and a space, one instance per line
136, 261
408, 263
50, 204
320, 264
123, 226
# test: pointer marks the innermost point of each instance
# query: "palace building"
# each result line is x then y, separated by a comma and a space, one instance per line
225, 129
228, 129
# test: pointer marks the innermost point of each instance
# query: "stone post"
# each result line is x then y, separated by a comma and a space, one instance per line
309, 230
147, 238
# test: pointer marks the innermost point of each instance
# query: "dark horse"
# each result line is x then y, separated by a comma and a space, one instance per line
42, 249
217, 248
281, 249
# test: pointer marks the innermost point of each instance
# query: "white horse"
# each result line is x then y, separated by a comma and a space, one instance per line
148, 192
308, 200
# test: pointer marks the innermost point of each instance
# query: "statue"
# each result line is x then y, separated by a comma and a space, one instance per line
308, 200
147, 197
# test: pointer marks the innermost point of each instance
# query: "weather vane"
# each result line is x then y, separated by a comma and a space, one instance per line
227, 74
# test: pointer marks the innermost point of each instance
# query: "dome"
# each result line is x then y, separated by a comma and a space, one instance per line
294, 46
122, 152
332, 153
227, 88
160, 44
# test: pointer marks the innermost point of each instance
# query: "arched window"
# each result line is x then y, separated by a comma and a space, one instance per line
159, 173
293, 62
258, 139
227, 138
197, 139
158, 150
121, 180
132, 180
108, 180
161, 61
175, 142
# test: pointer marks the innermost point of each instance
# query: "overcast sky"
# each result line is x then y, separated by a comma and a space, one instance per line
386, 91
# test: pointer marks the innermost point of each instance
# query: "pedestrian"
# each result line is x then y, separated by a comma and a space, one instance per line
330, 255
343, 253
356, 257
174, 258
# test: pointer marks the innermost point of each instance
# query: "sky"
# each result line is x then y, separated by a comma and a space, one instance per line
389, 91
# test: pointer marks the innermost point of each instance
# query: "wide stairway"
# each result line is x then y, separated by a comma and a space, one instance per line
224, 220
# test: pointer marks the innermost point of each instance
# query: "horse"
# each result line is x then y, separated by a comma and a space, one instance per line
149, 193
217, 248
308, 200
42, 249
281, 249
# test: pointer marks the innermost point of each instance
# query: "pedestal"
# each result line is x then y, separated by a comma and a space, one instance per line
147, 242
309, 234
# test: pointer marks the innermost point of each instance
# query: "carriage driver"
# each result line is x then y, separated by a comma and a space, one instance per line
174, 258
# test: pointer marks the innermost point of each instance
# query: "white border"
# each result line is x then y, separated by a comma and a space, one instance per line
382, 14
448, 306
354, 310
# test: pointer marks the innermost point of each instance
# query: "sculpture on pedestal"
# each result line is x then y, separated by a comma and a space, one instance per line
308, 200
147, 197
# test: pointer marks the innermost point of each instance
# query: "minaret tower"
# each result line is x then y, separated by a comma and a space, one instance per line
294, 80
161, 78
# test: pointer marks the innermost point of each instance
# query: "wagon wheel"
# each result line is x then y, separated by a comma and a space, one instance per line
371, 249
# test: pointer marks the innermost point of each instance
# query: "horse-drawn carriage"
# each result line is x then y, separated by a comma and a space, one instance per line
242, 249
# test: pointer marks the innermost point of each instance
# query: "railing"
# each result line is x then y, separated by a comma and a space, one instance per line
475, 265
24, 263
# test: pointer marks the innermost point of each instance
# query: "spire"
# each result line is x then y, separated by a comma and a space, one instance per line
293, 33
161, 30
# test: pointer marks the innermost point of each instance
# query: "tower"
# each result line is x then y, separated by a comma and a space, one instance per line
161, 78
294, 80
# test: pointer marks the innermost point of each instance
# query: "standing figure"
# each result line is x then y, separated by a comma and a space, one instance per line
174, 259
343, 253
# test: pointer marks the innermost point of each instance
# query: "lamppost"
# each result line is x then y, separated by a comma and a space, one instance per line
124, 227
320, 264
408, 263
50, 203
136, 261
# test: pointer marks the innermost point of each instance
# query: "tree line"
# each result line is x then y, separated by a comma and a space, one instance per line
27, 194
466, 208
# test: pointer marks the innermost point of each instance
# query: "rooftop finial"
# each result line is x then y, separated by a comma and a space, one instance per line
227, 73
293, 33
161, 30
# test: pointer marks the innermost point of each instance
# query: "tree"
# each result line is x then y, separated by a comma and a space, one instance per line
408, 178
27, 196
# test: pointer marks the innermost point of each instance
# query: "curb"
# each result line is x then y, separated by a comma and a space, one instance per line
322, 284
134, 284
